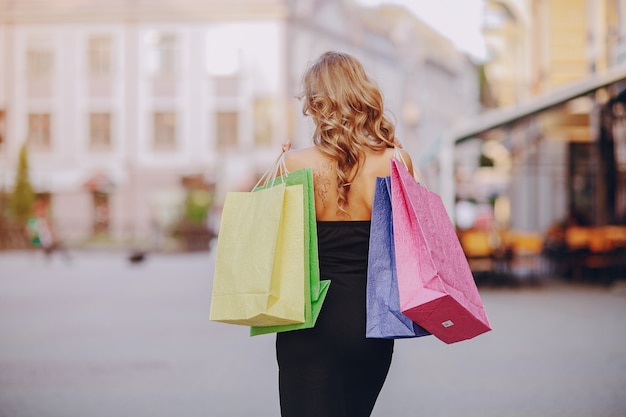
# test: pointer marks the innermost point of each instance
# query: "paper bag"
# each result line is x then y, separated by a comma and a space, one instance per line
259, 267
436, 286
314, 289
384, 318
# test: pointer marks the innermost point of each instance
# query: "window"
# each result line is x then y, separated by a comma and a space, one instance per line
163, 49
39, 130
227, 131
100, 131
100, 56
263, 121
164, 130
39, 58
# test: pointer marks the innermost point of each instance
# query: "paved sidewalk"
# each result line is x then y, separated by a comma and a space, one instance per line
99, 337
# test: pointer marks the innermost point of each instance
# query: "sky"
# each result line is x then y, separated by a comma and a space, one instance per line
458, 20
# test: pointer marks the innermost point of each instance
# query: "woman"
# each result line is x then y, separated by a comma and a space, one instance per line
332, 369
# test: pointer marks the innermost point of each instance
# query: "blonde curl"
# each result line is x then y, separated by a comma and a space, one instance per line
347, 109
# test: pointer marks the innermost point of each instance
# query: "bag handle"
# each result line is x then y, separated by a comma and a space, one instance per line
397, 155
276, 170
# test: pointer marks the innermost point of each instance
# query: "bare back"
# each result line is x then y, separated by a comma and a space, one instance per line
361, 194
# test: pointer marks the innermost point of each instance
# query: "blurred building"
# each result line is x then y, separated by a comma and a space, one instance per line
551, 149
538, 45
428, 85
123, 102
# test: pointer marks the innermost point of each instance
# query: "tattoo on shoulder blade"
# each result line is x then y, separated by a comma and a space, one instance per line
321, 182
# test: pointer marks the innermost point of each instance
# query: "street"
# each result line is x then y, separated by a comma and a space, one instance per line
101, 337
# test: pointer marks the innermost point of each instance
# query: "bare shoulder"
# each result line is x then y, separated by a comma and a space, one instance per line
302, 158
381, 160
407, 160
322, 167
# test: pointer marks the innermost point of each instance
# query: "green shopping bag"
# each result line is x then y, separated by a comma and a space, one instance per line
314, 289
259, 277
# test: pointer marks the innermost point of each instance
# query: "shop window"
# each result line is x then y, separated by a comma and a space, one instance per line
101, 212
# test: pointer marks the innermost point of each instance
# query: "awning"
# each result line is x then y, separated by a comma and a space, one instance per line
501, 117
100, 183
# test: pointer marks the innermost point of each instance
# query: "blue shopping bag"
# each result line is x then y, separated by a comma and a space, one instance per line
384, 318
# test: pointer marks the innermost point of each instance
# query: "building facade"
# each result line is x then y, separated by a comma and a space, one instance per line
121, 102
536, 46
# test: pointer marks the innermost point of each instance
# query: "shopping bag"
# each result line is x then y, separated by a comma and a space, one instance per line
259, 265
314, 289
435, 284
384, 318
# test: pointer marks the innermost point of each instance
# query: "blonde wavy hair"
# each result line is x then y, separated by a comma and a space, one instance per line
347, 108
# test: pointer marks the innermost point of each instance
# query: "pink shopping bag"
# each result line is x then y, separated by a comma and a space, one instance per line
435, 284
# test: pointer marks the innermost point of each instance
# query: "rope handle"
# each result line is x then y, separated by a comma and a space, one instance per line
274, 172
397, 155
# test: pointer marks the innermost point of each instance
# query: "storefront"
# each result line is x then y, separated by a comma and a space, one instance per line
550, 173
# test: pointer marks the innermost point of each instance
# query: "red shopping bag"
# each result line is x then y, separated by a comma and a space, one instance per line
435, 283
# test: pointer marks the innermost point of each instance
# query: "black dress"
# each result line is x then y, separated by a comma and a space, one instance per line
333, 370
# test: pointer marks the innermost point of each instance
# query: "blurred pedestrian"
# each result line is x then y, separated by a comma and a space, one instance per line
333, 369
42, 234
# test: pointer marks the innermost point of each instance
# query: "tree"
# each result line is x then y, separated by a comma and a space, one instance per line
23, 196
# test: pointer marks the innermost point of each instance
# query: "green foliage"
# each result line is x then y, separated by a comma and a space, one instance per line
23, 197
197, 204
